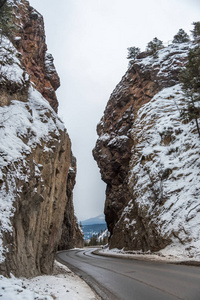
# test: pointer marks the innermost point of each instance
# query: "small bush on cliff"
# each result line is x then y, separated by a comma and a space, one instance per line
153, 47
181, 37
6, 19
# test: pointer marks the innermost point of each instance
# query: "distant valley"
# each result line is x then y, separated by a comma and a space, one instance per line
93, 226
93, 229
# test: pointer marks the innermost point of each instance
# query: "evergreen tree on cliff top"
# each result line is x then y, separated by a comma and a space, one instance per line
181, 37
133, 52
190, 79
153, 47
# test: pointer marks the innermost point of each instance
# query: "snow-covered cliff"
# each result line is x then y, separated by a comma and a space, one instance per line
149, 158
37, 168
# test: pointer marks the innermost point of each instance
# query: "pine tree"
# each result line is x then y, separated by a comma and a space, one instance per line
133, 52
93, 241
181, 37
2, 2
6, 19
196, 31
190, 79
154, 46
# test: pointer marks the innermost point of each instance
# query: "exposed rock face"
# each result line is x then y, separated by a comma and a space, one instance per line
141, 137
71, 234
30, 42
37, 168
39, 206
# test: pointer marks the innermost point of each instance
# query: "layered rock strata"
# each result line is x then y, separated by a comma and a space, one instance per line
141, 140
37, 167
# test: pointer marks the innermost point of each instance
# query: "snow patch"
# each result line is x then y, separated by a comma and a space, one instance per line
11, 69
104, 138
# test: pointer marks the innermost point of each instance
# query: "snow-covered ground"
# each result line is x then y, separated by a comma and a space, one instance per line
62, 285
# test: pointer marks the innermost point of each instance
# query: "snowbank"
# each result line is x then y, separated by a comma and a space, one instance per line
62, 285
169, 254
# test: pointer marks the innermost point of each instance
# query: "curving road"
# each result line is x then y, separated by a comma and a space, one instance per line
128, 279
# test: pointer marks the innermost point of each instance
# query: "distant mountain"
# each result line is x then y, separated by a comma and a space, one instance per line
96, 220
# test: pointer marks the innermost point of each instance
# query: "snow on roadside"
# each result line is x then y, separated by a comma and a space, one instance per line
62, 285
169, 254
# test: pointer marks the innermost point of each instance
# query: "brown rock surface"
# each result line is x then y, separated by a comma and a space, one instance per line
30, 42
42, 199
71, 234
113, 149
39, 209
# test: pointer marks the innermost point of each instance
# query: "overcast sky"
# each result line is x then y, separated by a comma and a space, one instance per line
89, 41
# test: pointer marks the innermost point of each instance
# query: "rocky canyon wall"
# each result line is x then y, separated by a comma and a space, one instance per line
38, 169
148, 157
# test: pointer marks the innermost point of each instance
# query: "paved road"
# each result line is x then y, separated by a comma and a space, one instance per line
128, 279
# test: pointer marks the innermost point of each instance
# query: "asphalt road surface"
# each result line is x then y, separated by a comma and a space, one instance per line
128, 279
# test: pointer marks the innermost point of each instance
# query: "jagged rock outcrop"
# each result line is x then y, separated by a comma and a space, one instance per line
37, 167
28, 37
29, 40
142, 141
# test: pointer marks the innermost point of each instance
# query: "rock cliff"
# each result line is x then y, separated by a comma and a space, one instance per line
149, 158
29, 39
37, 167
